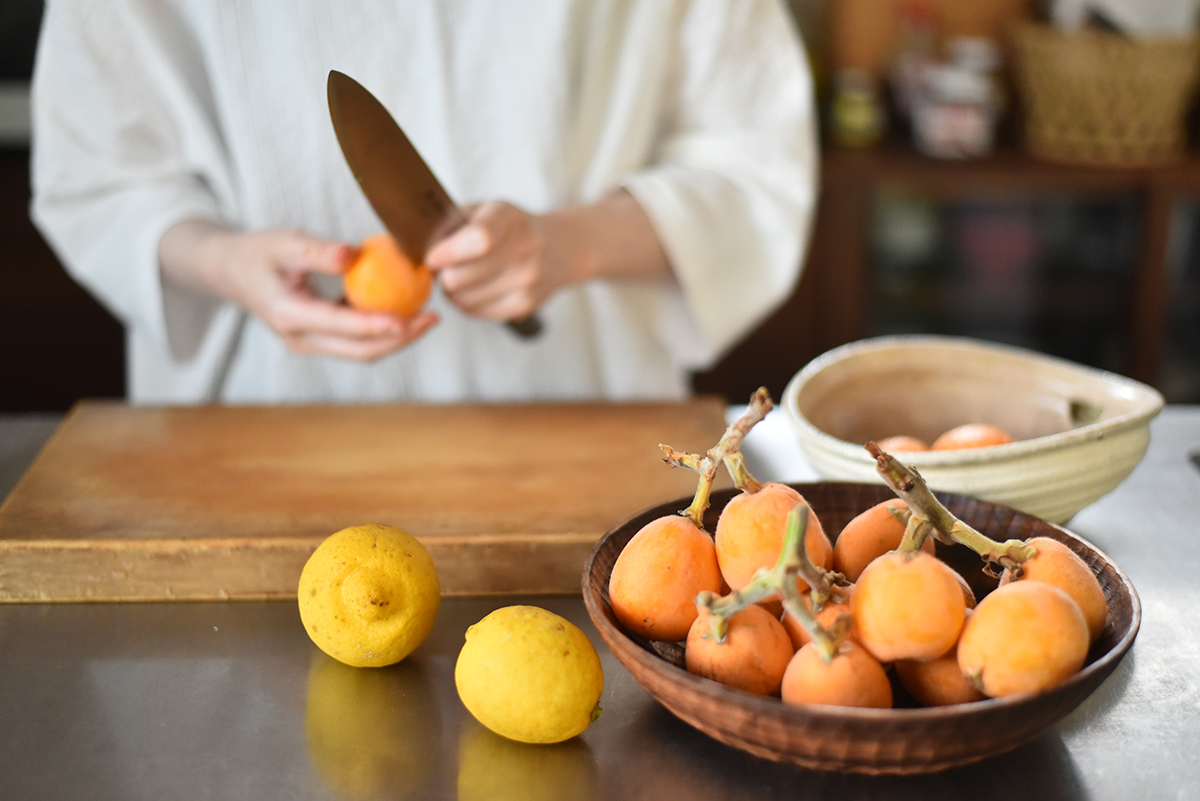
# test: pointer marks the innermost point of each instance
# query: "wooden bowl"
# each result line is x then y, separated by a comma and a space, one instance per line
905, 740
1080, 431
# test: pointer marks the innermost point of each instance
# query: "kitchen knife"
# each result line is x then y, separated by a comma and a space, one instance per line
399, 185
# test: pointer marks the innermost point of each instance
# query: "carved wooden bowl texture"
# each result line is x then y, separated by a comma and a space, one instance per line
904, 740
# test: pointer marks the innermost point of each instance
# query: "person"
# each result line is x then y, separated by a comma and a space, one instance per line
642, 175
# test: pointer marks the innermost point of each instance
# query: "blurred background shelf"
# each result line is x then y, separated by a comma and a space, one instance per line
1093, 264
1098, 265
1100, 268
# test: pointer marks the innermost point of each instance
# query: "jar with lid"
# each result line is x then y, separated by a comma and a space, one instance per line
955, 116
857, 118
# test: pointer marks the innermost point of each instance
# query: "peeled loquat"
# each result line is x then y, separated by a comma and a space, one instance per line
382, 279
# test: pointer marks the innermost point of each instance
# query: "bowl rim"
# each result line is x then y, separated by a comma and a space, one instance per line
1151, 402
600, 611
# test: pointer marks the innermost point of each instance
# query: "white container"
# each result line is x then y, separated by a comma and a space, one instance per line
1080, 431
955, 117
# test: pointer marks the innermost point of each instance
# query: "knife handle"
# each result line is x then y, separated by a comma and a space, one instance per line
528, 328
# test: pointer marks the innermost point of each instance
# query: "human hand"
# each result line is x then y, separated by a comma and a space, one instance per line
503, 263
268, 274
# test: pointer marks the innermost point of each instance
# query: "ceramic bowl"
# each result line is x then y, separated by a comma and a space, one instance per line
906, 740
1079, 431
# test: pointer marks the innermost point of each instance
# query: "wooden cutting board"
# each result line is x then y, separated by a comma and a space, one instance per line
142, 503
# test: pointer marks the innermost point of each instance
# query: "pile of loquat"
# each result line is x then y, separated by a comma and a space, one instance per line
768, 603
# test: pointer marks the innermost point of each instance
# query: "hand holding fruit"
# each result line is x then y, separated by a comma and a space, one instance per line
268, 273
506, 262
380, 278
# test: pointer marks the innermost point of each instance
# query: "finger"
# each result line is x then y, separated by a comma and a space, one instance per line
507, 264
490, 279
300, 313
473, 286
489, 229
464, 279
362, 349
466, 244
493, 301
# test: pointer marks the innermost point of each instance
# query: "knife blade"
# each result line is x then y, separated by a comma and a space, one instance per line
401, 188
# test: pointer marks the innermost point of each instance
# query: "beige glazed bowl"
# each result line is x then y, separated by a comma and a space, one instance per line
1079, 431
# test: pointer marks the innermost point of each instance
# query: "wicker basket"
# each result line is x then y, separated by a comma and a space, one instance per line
1103, 99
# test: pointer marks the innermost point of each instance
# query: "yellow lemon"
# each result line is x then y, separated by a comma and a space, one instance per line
369, 595
529, 675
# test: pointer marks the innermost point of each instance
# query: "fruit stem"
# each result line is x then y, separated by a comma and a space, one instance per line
780, 579
742, 479
760, 404
927, 515
707, 469
917, 529
729, 444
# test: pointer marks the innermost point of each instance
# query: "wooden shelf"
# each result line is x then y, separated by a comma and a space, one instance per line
831, 305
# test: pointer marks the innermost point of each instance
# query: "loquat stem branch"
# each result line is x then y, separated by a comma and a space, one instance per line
927, 511
793, 563
917, 529
742, 479
707, 468
707, 465
760, 404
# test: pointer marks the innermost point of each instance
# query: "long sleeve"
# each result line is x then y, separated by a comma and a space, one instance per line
125, 147
732, 189
149, 112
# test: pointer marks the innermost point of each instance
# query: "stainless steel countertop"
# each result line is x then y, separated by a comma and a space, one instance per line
231, 700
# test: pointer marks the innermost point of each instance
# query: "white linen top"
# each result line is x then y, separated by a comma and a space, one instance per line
149, 112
